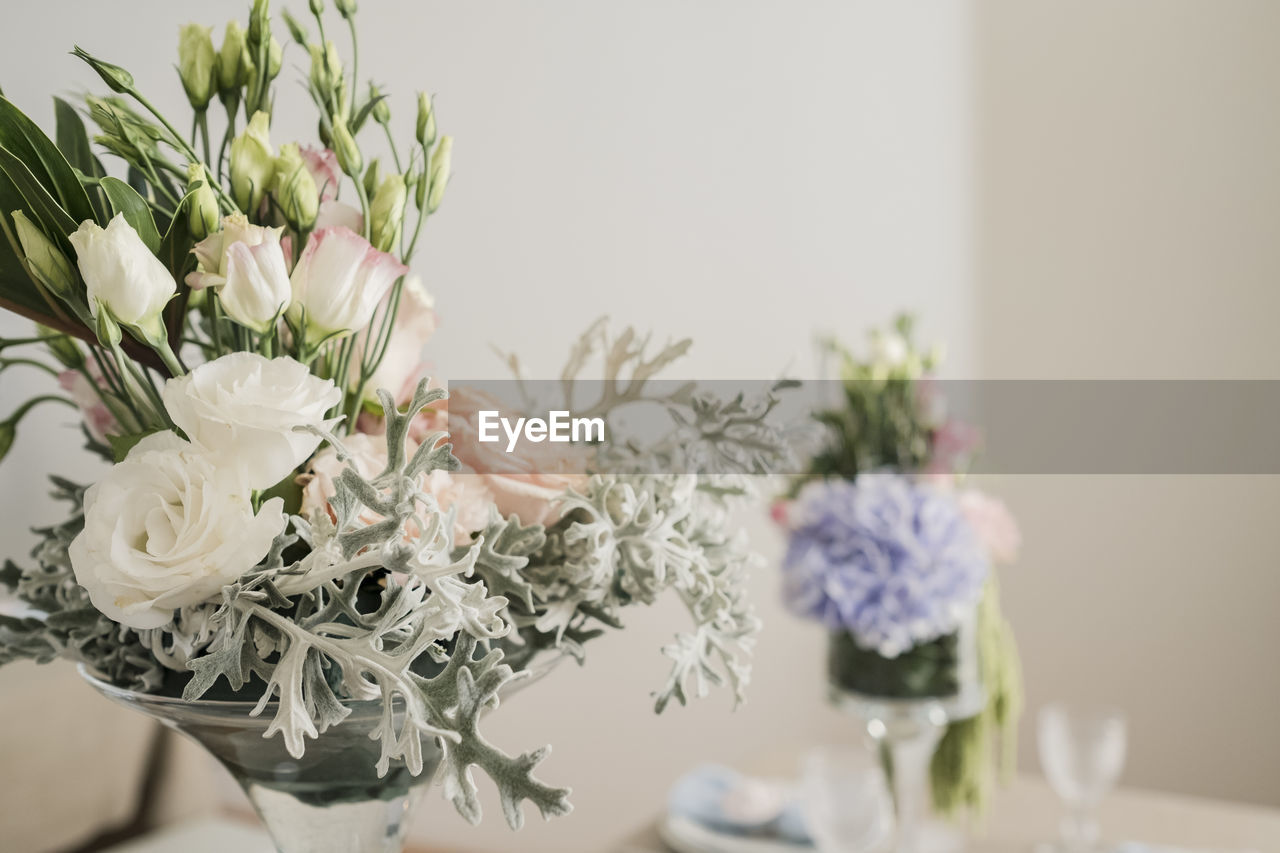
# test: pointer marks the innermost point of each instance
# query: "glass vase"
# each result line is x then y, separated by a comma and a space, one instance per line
331, 799
905, 704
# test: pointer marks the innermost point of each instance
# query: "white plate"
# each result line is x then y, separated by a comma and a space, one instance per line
685, 836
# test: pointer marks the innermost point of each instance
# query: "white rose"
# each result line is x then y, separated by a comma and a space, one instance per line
165, 528
339, 280
244, 408
121, 274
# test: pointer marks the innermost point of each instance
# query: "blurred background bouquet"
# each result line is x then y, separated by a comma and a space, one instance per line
895, 557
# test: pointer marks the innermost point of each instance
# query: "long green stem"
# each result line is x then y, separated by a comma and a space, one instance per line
21, 411
27, 362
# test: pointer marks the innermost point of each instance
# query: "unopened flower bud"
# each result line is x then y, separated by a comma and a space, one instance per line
234, 63
386, 213
296, 188
114, 76
317, 7
44, 259
197, 64
275, 58
441, 162
344, 145
426, 120
62, 346
253, 163
259, 22
296, 29
372, 177
381, 109
418, 183
346, 8
203, 214
326, 68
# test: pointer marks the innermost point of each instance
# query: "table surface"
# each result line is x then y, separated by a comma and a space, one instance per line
1027, 813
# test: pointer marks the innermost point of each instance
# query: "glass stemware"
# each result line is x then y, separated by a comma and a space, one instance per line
847, 806
1082, 752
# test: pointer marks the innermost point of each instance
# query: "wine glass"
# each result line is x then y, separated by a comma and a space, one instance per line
1082, 753
846, 801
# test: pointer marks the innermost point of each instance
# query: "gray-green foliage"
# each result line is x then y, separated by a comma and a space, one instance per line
378, 602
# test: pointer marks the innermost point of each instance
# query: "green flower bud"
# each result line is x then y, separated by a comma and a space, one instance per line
317, 7
108, 329
234, 63
202, 214
296, 29
275, 58
344, 145
46, 261
62, 346
426, 120
253, 163
418, 183
197, 64
346, 8
326, 68
441, 162
114, 76
296, 190
259, 22
372, 177
386, 214
381, 109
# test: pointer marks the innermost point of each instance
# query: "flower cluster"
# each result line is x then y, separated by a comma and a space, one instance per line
283, 520
893, 562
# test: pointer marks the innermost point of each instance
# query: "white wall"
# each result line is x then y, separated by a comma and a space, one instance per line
1129, 206
741, 172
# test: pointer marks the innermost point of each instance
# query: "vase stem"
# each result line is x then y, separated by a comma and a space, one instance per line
908, 749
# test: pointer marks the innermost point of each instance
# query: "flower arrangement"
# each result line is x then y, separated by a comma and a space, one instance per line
284, 520
896, 559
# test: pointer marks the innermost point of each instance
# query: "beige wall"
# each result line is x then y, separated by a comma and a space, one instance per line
1129, 207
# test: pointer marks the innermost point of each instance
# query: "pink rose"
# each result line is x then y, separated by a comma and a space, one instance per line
323, 166
993, 523
466, 494
98, 419
529, 483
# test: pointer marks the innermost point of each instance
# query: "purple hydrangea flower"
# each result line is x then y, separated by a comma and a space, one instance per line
892, 561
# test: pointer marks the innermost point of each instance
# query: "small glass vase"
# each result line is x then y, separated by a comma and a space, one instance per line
331, 799
905, 703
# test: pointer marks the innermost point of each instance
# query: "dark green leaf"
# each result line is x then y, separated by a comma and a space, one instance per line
20, 135
73, 141
38, 203
126, 201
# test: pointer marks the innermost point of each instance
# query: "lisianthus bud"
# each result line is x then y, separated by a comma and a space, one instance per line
346, 8
372, 177
258, 22
441, 162
317, 7
197, 64
420, 186
275, 58
46, 261
296, 29
234, 63
381, 109
203, 214
62, 346
344, 145
386, 213
326, 68
338, 282
114, 76
295, 188
426, 120
253, 163
123, 277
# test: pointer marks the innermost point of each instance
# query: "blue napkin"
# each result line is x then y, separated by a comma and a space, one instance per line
723, 800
